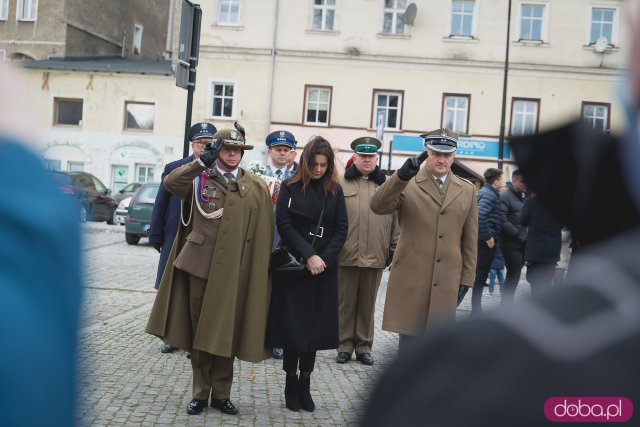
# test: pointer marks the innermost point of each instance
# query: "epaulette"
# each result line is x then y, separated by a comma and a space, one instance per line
465, 180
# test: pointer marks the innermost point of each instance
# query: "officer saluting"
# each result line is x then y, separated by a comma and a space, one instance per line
435, 261
213, 299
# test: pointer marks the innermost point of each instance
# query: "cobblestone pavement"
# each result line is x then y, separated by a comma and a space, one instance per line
125, 380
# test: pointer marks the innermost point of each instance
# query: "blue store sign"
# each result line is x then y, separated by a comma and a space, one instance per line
487, 149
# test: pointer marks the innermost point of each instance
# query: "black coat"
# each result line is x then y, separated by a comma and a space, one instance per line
165, 218
544, 235
304, 309
513, 235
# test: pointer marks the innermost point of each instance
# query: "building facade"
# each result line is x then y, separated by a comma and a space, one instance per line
342, 69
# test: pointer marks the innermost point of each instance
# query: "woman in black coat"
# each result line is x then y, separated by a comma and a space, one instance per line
303, 316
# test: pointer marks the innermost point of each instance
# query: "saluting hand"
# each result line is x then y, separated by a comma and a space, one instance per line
315, 265
210, 152
412, 166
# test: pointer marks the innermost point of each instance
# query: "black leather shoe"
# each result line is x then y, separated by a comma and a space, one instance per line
196, 406
277, 353
167, 348
225, 406
343, 357
365, 359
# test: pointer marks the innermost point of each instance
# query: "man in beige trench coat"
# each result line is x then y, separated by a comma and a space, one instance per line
435, 260
371, 240
213, 299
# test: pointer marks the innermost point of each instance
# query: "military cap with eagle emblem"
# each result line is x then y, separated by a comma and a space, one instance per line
232, 138
366, 145
201, 130
441, 140
281, 137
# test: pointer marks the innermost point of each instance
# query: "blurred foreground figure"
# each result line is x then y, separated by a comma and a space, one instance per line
579, 340
39, 280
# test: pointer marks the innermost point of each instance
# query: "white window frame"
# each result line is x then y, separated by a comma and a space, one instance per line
535, 115
544, 29
615, 37
456, 108
136, 44
324, 8
395, 11
33, 10
227, 21
308, 88
4, 10
234, 97
147, 168
376, 107
591, 120
474, 20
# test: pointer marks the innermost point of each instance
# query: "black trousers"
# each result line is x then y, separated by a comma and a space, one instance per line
292, 360
540, 276
513, 261
485, 258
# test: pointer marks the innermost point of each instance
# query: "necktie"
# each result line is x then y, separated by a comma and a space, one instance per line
229, 177
278, 175
440, 188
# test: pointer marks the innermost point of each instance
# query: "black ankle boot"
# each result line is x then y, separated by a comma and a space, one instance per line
291, 394
306, 402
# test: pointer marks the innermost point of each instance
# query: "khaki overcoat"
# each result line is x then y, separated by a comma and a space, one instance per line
236, 301
371, 236
436, 252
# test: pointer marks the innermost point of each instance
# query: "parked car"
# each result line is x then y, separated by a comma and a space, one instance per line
94, 199
139, 213
128, 191
122, 211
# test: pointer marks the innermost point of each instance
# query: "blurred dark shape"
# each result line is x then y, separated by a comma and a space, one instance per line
40, 285
577, 173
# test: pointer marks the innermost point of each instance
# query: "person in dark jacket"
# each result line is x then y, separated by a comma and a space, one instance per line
166, 209
303, 316
496, 272
489, 230
543, 245
513, 234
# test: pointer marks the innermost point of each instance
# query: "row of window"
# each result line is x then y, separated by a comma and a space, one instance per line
26, 10
386, 109
138, 116
532, 19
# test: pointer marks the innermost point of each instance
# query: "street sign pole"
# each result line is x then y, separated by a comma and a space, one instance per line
188, 60
504, 93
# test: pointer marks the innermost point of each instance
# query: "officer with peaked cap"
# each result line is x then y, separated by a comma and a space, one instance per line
280, 143
370, 243
435, 260
166, 209
222, 251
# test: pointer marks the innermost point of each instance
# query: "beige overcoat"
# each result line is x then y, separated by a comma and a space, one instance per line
371, 236
236, 301
436, 252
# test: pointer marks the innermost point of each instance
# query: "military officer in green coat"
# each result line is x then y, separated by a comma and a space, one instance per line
213, 298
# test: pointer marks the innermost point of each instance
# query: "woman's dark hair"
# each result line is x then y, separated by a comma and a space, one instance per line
317, 145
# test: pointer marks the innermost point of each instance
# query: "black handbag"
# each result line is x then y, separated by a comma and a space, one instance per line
283, 260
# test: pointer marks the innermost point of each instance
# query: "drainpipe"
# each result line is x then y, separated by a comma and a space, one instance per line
169, 46
273, 65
